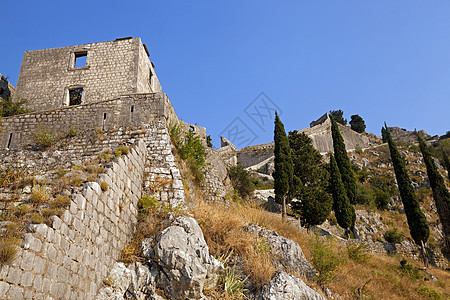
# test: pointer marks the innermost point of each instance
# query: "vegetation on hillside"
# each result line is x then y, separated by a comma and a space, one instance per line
283, 174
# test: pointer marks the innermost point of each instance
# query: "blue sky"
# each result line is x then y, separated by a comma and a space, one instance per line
384, 60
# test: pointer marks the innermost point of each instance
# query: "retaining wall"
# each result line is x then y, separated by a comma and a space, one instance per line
70, 259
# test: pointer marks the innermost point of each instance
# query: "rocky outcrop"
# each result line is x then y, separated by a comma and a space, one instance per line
402, 135
179, 264
135, 282
287, 254
182, 256
285, 286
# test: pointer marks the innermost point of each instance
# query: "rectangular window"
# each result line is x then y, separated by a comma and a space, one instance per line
80, 59
150, 75
75, 96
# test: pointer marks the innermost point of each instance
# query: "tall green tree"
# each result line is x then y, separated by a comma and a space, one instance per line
417, 222
440, 192
357, 124
344, 211
315, 203
343, 162
338, 116
446, 163
283, 174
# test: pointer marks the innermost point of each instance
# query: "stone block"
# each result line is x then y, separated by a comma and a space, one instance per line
27, 279
4, 287
15, 292
29, 241
39, 265
37, 283
14, 275
27, 261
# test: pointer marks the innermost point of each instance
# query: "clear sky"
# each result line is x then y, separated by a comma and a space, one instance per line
384, 60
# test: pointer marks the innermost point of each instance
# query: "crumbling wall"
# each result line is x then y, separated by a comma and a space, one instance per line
71, 258
111, 70
121, 115
6, 89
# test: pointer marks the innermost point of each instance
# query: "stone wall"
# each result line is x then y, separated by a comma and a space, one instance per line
125, 114
112, 69
70, 258
6, 89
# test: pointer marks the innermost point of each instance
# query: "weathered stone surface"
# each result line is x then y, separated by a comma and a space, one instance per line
288, 254
287, 287
183, 257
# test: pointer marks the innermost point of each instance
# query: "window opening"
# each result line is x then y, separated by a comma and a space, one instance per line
150, 77
104, 116
132, 108
75, 96
80, 59
9, 140
191, 128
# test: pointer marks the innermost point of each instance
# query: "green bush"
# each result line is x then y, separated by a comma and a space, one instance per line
148, 202
382, 199
8, 250
104, 186
358, 252
324, 260
121, 150
393, 236
9, 108
365, 195
241, 180
429, 293
410, 270
44, 138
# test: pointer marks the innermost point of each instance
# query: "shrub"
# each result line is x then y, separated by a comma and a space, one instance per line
429, 293
9, 108
10, 175
324, 260
409, 269
39, 195
44, 138
22, 210
393, 236
60, 202
241, 181
332, 219
193, 152
8, 250
382, 199
36, 218
232, 283
121, 150
148, 202
358, 252
72, 132
104, 186
365, 195
48, 212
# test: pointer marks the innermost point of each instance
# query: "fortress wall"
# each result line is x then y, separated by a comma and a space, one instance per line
128, 112
71, 258
111, 70
254, 156
144, 84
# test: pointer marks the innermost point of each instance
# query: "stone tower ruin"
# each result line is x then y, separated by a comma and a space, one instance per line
83, 74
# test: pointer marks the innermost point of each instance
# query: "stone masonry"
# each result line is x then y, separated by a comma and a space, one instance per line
70, 259
112, 69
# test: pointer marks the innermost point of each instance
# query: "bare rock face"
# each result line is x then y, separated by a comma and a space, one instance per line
135, 282
285, 286
288, 253
183, 258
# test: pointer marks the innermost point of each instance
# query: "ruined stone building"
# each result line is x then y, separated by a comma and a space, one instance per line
89, 98
82, 74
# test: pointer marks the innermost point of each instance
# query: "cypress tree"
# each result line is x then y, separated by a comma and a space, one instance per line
283, 173
440, 192
417, 222
310, 173
446, 163
343, 162
344, 211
